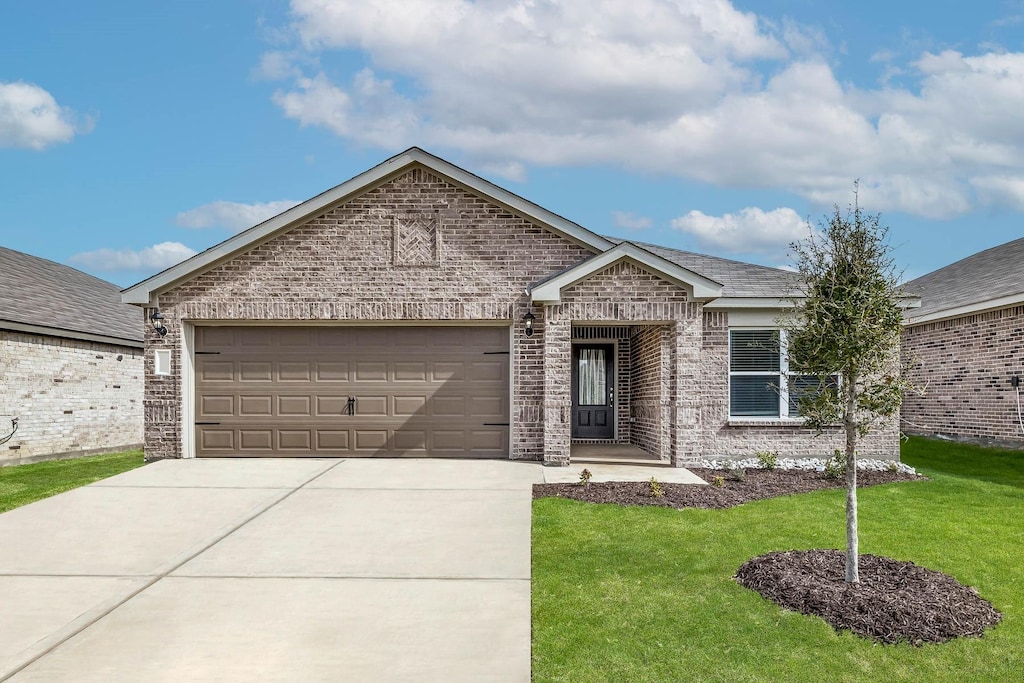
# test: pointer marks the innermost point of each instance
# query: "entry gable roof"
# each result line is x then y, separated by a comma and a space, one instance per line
550, 291
144, 292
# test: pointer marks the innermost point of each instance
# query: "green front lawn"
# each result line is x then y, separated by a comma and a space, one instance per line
646, 594
23, 484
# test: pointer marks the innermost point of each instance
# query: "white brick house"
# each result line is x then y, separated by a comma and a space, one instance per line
70, 363
419, 310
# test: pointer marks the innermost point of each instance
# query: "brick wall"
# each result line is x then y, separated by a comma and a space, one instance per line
415, 248
71, 396
725, 438
648, 379
964, 366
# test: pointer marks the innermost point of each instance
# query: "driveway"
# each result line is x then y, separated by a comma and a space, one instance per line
280, 570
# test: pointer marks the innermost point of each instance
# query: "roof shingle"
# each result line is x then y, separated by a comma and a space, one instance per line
991, 274
34, 291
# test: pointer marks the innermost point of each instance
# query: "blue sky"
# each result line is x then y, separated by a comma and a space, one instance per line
134, 134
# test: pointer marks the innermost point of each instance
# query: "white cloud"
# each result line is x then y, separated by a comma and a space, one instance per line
630, 221
154, 258
31, 118
692, 88
751, 230
233, 216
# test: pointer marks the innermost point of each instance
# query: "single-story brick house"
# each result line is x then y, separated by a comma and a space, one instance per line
965, 347
419, 310
70, 362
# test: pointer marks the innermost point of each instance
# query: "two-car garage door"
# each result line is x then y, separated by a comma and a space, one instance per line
352, 391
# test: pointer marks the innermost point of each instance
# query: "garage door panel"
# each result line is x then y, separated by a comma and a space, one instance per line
216, 406
332, 371
369, 439
255, 371
418, 391
331, 405
295, 439
256, 439
255, 406
208, 370
216, 439
407, 406
448, 371
294, 371
297, 406
410, 440
405, 371
489, 406
371, 406
330, 440
371, 371
448, 406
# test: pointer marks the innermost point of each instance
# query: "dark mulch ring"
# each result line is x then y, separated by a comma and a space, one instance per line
894, 601
756, 484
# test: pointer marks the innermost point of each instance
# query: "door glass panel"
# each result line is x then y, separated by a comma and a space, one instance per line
593, 376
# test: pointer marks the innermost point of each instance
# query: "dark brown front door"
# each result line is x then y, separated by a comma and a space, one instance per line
593, 391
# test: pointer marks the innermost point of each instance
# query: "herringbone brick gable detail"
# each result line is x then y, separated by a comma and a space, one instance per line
417, 239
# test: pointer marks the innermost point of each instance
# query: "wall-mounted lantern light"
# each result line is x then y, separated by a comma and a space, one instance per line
157, 318
528, 322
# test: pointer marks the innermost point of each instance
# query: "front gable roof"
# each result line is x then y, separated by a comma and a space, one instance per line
701, 288
144, 292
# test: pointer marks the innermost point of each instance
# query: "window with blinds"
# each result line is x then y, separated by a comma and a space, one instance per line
760, 384
755, 373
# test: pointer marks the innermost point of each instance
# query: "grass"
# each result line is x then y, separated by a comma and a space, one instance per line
24, 484
646, 594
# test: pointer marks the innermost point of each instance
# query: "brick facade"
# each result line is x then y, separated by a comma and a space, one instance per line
71, 397
963, 367
725, 438
418, 248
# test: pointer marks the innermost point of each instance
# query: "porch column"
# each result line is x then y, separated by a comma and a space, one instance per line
557, 376
689, 335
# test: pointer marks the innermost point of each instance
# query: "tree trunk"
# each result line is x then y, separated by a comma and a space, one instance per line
850, 424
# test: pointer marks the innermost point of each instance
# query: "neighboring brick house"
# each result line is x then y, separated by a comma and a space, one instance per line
70, 362
419, 310
965, 347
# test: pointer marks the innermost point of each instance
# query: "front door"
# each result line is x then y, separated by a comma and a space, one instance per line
593, 391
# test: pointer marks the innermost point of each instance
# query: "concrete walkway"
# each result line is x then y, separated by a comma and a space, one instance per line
273, 570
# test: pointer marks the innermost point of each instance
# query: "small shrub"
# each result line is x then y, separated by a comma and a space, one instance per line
767, 460
656, 490
737, 474
585, 476
835, 467
718, 481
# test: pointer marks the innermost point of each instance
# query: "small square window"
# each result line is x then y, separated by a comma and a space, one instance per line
162, 362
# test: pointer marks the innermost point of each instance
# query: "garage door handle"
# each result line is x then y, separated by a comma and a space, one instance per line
350, 407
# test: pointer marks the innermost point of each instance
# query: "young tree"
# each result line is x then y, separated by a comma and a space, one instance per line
847, 325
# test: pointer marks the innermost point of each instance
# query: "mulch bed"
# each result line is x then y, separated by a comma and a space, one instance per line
894, 601
756, 484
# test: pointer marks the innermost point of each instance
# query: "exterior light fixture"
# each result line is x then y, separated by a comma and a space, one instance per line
528, 322
157, 318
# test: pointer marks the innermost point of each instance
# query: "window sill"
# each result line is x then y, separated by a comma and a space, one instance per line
765, 422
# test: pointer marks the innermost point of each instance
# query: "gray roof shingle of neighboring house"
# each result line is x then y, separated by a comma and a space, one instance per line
738, 279
991, 274
38, 293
